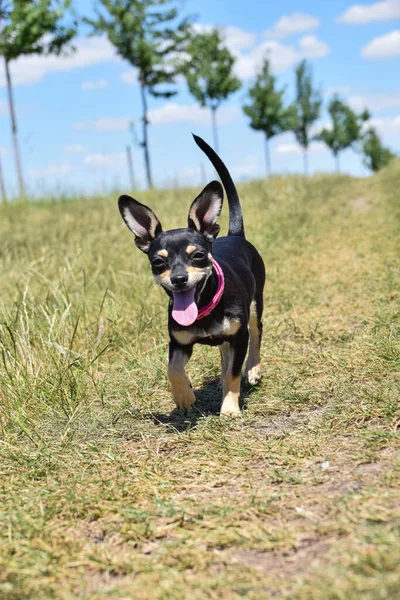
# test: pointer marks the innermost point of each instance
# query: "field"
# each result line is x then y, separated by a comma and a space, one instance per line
107, 492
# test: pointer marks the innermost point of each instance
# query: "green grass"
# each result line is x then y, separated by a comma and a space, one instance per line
106, 492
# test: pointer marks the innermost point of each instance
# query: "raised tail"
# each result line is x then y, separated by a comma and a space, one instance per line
236, 226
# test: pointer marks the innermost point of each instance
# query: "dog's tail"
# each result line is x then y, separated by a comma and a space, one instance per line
236, 226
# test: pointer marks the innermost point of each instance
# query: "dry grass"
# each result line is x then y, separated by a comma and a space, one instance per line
106, 493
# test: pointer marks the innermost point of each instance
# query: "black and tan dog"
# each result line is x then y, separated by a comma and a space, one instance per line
215, 286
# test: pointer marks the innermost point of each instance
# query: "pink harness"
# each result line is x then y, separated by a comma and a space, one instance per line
206, 310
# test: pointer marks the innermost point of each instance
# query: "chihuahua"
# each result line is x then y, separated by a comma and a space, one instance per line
215, 286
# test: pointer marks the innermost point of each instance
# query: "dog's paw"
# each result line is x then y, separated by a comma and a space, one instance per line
230, 406
254, 375
230, 412
184, 399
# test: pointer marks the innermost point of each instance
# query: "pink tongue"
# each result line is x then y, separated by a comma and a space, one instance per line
184, 310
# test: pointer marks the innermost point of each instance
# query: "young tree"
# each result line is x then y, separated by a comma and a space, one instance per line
209, 73
31, 27
266, 109
147, 34
308, 106
346, 128
376, 156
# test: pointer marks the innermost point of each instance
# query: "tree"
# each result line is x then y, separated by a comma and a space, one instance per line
376, 156
266, 109
147, 34
346, 128
308, 106
209, 73
31, 27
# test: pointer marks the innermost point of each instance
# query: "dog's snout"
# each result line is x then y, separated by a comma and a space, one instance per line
179, 280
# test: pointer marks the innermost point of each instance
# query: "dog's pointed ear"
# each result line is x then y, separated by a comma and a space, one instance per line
141, 220
206, 209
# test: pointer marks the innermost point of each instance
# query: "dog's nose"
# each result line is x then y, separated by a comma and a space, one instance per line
179, 280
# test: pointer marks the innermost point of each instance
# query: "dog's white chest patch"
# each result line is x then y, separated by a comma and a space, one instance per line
227, 328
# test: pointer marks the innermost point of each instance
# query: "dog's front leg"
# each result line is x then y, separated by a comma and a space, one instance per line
182, 392
237, 353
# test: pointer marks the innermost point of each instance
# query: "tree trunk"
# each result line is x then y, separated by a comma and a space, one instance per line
214, 127
337, 163
14, 131
305, 160
2, 186
267, 157
145, 142
130, 167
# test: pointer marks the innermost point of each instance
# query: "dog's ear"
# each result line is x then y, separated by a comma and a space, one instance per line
206, 209
141, 220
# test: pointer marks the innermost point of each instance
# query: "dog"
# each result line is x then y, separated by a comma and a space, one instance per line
215, 286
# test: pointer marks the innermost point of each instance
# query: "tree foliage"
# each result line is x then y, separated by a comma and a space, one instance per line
346, 128
148, 34
35, 27
376, 156
308, 106
208, 70
266, 109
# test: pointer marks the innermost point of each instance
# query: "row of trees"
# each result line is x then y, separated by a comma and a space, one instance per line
160, 43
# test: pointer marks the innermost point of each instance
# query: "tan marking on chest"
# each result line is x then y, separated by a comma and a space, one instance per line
227, 328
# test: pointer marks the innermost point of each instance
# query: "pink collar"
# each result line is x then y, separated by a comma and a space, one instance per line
206, 310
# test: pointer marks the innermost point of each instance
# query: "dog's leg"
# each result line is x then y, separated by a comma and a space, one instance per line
237, 354
182, 392
253, 365
224, 351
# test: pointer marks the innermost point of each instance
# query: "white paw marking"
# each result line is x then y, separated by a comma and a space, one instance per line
230, 411
254, 375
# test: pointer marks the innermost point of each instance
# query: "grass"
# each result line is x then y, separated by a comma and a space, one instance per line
106, 492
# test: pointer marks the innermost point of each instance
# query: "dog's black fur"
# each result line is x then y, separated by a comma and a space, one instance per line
181, 259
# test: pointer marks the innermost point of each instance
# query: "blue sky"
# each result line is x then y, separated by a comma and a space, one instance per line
74, 112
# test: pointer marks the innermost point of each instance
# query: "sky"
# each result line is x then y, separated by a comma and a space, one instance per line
74, 112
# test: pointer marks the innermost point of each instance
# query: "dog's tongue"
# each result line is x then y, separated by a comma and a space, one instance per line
184, 310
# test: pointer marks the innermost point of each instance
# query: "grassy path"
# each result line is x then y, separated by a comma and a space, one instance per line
106, 493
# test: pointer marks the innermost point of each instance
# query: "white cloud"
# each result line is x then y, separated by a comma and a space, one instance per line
51, 170
291, 25
100, 84
170, 112
359, 14
386, 126
375, 101
384, 46
236, 39
114, 160
312, 47
281, 56
289, 148
190, 113
30, 70
3, 151
130, 77
3, 108
75, 149
293, 148
105, 124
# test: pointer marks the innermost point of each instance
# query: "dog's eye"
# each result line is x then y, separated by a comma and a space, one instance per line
157, 263
199, 256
